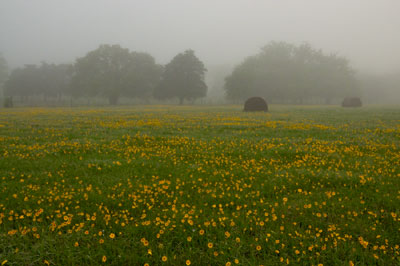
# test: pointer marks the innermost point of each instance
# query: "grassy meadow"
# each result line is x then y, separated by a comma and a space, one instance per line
166, 185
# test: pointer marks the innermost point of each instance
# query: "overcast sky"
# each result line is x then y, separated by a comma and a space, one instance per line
220, 31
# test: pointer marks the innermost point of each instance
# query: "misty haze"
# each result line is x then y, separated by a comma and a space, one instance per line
179, 132
222, 34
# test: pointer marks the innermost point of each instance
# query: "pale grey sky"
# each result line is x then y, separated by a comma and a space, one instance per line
220, 31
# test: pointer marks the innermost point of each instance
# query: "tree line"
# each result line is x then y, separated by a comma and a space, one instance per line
285, 73
111, 71
280, 72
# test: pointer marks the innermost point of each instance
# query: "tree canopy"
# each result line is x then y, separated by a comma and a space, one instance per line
46, 79
112, 71
183, 78
142, 76
283, 72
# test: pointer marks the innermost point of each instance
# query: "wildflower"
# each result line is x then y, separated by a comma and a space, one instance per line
164, 258
104, 259
363, 242
188, 262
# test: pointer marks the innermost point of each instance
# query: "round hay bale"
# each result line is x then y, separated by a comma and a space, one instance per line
255, 104
351, 102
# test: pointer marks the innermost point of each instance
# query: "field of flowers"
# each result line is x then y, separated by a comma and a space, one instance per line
164, 185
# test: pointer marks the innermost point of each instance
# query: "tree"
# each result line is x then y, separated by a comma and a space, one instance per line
101, 72
112, 71
24, 82
380, 88
3, 73
215, 80
55, 79
49, 80
283, 72
183, 78
141, 76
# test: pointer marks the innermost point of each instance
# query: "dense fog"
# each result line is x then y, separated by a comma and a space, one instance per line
222, 33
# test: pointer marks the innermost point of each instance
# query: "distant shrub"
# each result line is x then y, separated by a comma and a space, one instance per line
8, 102
255, 104
351, 102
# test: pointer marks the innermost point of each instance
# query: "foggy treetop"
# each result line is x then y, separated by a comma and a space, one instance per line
221, 32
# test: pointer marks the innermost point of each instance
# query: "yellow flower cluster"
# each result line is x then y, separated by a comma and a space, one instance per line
190, 185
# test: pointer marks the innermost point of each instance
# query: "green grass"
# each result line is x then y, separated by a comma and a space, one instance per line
303, 185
